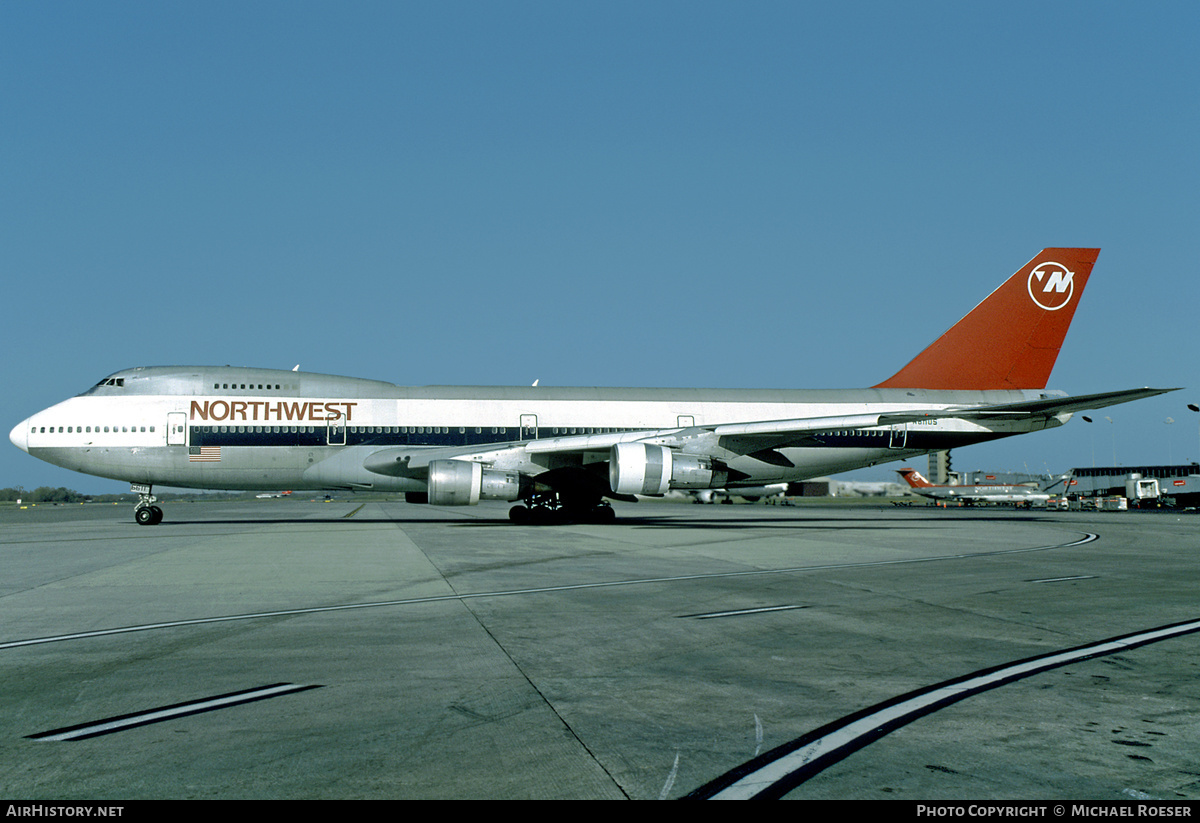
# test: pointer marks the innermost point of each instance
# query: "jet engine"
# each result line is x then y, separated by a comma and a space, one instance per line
639, 468
463, 483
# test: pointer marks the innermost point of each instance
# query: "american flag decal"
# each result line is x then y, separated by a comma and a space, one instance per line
204, 454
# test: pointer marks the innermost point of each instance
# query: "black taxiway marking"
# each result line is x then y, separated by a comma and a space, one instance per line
207, 704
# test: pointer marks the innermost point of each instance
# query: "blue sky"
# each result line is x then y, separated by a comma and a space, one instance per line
741, 194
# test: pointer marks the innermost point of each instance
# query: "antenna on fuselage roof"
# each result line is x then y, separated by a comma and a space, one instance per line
296, 367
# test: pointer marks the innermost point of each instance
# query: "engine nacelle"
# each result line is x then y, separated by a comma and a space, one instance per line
463, 483
639, 468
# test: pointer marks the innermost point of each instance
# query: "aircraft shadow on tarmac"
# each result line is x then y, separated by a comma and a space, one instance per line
627, 521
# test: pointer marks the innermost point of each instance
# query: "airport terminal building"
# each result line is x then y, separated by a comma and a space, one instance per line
1181, 482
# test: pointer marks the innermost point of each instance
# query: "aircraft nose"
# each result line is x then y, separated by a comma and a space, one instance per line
20, 435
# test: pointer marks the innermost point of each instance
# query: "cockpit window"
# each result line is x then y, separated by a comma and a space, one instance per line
112, 381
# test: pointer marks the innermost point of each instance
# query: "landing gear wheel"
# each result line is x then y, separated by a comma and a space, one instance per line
602, 513
544, 516
145, 512
148, 515
546, 507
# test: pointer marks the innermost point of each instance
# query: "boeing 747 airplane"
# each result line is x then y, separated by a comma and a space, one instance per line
563, 452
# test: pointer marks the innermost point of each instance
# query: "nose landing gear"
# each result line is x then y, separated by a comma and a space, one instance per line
145, 513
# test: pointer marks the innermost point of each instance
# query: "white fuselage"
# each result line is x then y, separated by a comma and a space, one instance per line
986, 494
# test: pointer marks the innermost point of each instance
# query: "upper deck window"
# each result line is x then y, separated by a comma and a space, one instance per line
249, 386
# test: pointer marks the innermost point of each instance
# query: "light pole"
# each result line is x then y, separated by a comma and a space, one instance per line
1195, 408
1113, 429
1169, 421
1087, 419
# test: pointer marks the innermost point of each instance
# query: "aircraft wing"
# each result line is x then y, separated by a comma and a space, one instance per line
742, 438
413, 461
758, 439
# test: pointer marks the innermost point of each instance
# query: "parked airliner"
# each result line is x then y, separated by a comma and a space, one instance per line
563, 451
979, 492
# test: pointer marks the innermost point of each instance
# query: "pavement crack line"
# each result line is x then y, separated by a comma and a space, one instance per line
541, 695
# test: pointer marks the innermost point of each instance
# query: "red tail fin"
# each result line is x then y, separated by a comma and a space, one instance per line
1011, 339
914, 478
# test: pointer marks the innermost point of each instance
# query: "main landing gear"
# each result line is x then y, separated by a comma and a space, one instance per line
145, 512
543, 508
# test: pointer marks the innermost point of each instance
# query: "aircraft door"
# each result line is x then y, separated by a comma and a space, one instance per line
899, 436
335, 429
529, 430
176, 429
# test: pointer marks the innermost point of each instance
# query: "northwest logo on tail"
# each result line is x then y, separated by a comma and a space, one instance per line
1051, 285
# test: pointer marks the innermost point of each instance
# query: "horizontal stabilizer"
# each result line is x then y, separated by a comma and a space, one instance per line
1045, 407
